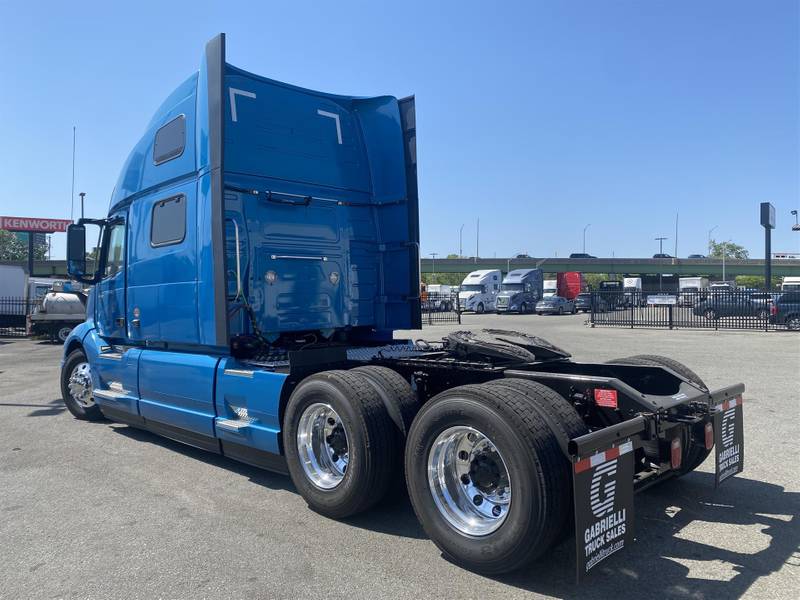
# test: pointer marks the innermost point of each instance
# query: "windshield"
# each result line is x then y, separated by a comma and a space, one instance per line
584, 296
472, 288
511, 287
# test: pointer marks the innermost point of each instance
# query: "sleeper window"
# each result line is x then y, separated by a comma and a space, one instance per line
170, 140
169, 221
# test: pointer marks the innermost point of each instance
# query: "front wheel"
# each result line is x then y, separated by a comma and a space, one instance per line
63, 333
710, 314
77, 388
763, 314
480, 308
524, 308
486, 479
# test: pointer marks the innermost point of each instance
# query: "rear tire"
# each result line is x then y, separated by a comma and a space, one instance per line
528, 452
694, 454
348, 469
480, 308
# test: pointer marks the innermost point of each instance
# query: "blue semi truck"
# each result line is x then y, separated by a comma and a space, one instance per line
260, 250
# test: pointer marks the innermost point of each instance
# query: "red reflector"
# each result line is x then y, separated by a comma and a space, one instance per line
605, 398
675, 453
709, 429
773, 310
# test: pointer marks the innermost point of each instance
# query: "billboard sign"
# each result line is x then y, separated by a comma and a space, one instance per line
34, 224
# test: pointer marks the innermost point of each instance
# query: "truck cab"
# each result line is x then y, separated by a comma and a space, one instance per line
520, 290
251, 216
479, 290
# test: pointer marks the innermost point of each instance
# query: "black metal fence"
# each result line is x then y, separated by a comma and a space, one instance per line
440, 308
705, 309
13, 316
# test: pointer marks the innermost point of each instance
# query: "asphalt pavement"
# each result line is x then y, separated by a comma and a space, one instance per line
101, 510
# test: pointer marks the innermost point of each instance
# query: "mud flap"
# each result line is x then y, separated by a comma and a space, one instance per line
603, 484
728, 439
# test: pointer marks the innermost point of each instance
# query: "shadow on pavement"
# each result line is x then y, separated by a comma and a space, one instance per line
52, 408
394, 516
666, 563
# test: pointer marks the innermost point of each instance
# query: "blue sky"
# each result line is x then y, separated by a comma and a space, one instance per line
536, 117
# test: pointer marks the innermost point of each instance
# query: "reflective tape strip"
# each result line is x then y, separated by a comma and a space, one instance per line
601, 457
737, 401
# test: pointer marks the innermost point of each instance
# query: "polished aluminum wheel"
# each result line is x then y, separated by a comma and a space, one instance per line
322, 445
80, 385
469, 481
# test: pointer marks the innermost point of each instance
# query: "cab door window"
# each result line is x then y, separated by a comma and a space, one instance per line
115, 255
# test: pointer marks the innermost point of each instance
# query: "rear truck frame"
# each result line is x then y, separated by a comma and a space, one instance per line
245, 299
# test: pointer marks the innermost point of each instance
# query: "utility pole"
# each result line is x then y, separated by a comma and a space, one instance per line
675, 254
724, 249
433, 262
584, 237
477, 241
460, 239
660, 251
72, 197
710, 231
82, 195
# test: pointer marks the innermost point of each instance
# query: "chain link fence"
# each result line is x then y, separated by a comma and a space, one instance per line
700, 309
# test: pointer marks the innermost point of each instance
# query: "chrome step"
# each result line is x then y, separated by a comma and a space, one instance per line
233, 425
111, 395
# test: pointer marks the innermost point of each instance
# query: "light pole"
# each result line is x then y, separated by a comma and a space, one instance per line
460, 240
724, 249
710, 231
660, 251
82, 194
433, 263
796, 226
584, 236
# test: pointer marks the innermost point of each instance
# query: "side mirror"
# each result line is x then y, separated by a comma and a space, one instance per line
76, 251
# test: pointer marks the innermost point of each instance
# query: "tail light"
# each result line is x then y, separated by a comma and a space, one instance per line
709, 430
773, 310
675, 453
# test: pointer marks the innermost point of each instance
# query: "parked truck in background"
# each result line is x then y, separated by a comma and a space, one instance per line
691, 290
259, 252
790, 284
570, 284
58, 312
478, 291
20, 294
549, 288
440, 297
520, 290
632, 291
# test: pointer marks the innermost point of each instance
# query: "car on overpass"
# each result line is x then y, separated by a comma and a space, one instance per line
581, 255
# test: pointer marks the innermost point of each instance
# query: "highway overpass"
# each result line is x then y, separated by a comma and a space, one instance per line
620, 266
709, 267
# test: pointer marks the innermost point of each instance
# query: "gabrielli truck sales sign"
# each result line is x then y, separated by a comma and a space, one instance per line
34, 224
603, 505
729, 439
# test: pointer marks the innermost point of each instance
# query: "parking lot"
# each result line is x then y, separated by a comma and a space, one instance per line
104, 510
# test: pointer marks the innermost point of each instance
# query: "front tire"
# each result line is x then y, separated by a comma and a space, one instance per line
339, 443
480, 308
77, 387
485, 478
63, 333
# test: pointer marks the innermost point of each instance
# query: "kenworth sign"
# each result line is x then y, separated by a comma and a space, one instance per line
34, 224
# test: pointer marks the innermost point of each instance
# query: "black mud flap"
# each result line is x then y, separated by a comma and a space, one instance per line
729, 439
603, 484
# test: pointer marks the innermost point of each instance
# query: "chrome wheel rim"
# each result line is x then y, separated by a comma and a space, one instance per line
63, 333
80, 385
469, 481
323, 446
